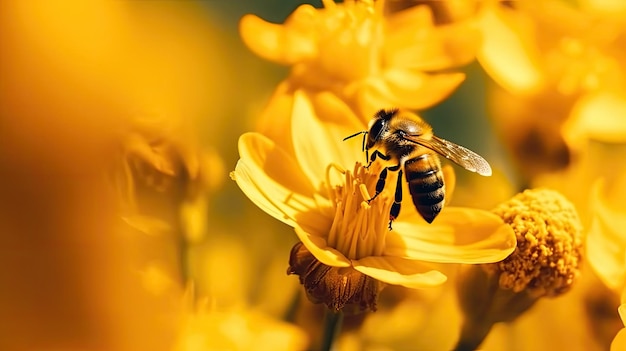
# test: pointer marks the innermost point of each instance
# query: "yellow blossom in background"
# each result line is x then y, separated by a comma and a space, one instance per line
595, 184
163, 178
606, 240
209, 330
424, 319
367, 59
531, 46
560, 69
225, 320
323, 194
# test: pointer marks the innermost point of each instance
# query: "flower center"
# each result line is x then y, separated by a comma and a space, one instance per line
359, 226
548, 256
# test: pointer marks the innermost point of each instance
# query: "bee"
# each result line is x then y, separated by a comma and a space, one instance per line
408, 142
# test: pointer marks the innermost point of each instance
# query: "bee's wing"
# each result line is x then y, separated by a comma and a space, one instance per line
465, 158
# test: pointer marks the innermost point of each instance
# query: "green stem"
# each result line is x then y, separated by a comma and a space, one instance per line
332, 326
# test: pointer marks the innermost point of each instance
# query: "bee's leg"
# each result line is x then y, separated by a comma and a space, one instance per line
397, 200
375, 154
380, 184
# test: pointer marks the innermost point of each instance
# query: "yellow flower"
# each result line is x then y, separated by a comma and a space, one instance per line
162, 180
529, 46
606, 241
409, 319
545, 263
598, 116
323, 194
562, 76
206, 328
367, 59
548, 255
160, 177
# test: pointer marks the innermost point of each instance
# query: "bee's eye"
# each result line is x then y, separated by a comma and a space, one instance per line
377, 128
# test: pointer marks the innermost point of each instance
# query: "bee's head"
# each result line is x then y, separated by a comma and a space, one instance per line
379, 126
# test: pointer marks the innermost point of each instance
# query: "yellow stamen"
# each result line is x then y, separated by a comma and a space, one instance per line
359, 228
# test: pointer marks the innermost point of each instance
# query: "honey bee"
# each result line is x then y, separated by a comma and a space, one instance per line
404, 138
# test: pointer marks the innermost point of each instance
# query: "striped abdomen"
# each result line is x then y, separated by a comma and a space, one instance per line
425, 178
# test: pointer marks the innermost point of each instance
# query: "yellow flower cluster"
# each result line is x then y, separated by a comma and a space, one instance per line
548, 255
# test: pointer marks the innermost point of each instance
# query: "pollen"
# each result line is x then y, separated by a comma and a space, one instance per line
548, 256
359, 226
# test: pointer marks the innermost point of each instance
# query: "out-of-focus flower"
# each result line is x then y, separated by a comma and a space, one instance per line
205, 326
163, 178
367, 59
233, 315
443, 11
595, 184
562, 76
545, 263
347, 252
598, 116
425, 319
529, 46
606, 241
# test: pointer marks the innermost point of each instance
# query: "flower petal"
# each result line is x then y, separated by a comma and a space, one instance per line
275, 42
410, 89
318, 246
272, 180
619, 342
399, 271
604, 7
275, 120
148, 224
598, 116
606, 243
413, 41
319, 125
458, 235
508, 53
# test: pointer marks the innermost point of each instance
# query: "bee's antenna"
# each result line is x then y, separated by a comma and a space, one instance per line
355, 134
364, 132
363, 143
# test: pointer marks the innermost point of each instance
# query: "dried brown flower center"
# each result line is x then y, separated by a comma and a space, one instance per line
339, 288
